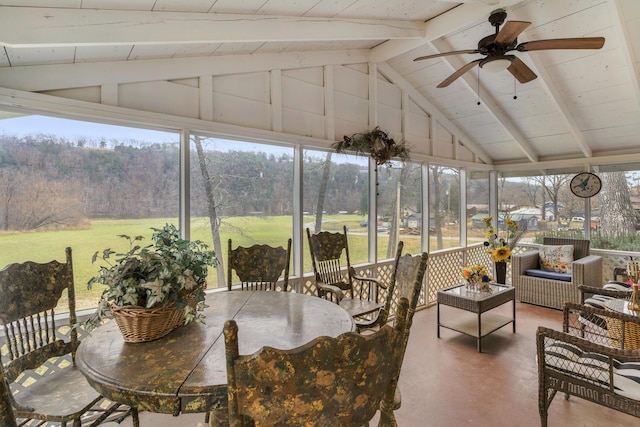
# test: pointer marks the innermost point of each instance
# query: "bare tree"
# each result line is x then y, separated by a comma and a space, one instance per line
616, 212
214, 219
436, 176
552, 186
532, 189
326, 168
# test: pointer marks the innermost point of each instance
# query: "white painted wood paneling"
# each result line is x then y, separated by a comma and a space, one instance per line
299, 122
241, 111
250, 85
350, 81
302, 95
148, 97
88, 94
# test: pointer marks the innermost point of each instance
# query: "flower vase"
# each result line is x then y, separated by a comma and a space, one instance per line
500, 270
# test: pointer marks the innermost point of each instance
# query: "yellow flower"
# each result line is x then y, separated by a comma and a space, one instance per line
502, 254
490, 231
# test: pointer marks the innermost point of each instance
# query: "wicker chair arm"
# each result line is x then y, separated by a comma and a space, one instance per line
332, 289
588, 271
593, 290
525, 261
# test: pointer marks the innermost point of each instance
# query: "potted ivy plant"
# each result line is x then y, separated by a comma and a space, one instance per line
158, 287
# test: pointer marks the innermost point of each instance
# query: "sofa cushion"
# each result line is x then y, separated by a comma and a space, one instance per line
548, 275
557, 258
594, 367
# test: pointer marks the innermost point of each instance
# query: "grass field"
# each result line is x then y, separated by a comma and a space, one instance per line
244, 231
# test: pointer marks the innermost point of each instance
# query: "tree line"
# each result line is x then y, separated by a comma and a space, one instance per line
48, 182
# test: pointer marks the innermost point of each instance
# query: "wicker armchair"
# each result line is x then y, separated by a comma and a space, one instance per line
589, 362
587, 270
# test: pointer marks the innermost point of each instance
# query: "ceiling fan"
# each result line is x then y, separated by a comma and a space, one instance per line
495, 47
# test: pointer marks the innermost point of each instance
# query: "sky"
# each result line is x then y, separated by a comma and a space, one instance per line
74, 129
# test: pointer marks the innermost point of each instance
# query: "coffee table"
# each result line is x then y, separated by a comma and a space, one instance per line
475, 319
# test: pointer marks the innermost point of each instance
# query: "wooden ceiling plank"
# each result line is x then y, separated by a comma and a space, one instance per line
546, 83
632, 62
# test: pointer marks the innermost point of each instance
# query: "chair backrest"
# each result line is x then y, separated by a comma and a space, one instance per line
29, 294
326, 382
7, 418
580, 246
259, 266
327, 249
407, 281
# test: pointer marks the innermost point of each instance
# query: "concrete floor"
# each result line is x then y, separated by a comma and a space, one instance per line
446, 383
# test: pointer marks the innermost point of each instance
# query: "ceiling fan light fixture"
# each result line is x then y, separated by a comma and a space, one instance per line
495, 65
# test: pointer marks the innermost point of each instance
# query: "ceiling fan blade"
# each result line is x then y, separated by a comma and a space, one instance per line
575, 43
510, 31
521, 71
460, 71
454, 52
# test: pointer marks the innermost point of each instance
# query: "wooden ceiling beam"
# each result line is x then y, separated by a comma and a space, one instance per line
37, 78
57, 27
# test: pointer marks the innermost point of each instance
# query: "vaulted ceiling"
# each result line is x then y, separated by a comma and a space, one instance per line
584, 105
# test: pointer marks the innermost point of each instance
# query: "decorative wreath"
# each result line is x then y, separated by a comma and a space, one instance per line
375, 143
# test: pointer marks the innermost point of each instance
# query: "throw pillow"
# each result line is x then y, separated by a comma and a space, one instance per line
556, 258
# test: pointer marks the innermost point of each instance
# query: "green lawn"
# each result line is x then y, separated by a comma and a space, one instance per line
102, 234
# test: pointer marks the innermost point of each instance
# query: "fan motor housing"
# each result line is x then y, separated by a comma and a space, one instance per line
488, 46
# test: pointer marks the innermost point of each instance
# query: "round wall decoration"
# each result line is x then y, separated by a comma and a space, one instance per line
585, 184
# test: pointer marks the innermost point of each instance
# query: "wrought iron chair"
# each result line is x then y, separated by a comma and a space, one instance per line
38, 349
356, 294
586, 361
327, 382
259, 266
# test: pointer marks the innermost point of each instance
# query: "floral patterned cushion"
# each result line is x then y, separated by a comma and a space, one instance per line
556, 258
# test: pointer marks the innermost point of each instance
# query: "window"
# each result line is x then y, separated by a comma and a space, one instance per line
71, 183
399, 208
336, 194
444, 196
241, 191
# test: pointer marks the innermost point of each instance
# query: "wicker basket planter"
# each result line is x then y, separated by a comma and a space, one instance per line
139, 324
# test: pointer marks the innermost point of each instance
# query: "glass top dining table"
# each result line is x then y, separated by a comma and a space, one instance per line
185, 371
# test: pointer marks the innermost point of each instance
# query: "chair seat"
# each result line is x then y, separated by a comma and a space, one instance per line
358, 307
62, 394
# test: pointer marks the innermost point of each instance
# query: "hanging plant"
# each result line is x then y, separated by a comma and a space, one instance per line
375, 143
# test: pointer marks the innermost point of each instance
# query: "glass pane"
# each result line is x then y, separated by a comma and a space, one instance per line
615, 211
336, 194
399, 208
79, 184
241, 191
444, 205
477, 206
